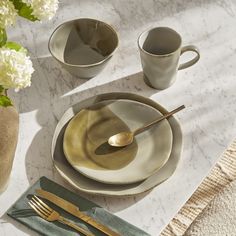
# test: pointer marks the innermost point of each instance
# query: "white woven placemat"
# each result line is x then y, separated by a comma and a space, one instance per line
223, 173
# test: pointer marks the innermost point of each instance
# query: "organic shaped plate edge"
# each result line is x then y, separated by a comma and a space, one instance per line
128, 190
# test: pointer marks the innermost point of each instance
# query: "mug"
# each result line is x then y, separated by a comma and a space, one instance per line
160, 49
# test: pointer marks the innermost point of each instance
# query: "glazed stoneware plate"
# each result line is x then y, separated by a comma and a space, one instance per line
87, 150
84, 184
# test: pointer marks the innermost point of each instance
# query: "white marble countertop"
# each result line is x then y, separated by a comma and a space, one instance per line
207, 89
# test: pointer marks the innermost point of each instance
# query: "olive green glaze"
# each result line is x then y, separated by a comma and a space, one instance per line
83, 46
86, 137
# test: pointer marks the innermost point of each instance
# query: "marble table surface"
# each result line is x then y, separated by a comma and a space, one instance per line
207, 89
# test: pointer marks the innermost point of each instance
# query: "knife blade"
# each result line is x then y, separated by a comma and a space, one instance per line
74, 210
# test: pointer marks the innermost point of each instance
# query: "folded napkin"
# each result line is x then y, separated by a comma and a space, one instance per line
223, 173
22, 212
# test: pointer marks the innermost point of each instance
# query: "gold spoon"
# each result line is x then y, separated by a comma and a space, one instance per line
125, 138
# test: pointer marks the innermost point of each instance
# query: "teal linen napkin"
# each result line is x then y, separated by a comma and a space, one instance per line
22, 212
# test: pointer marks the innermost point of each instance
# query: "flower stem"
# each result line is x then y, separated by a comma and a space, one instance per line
3, 91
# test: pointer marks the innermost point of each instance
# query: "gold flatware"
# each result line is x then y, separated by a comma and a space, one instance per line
49, 214
74, 210
125, 138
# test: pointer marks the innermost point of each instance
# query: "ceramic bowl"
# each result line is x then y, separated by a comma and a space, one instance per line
83, 46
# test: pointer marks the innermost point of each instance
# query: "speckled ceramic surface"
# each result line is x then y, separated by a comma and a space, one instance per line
85, 184
87, 150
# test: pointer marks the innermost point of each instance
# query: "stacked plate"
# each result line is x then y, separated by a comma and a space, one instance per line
83, 157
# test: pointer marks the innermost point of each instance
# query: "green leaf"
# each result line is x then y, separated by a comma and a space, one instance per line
24, 10
3, 37
5, 101
13, 45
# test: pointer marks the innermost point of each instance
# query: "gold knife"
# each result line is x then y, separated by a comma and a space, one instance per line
74, 210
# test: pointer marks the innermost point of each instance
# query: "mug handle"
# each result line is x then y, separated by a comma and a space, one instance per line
194, 60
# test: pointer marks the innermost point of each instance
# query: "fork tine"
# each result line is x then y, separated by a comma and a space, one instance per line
41, 206
36, 210
39, 209
43, 203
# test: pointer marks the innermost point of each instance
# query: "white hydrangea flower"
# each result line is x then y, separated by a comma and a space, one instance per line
15, 68
43, 9
8, 13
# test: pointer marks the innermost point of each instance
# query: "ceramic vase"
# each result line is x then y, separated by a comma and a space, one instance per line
9, 128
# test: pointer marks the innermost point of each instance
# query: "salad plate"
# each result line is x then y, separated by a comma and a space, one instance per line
87, 150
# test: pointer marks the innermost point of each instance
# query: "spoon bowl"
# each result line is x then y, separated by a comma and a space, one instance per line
123, 139
118, 140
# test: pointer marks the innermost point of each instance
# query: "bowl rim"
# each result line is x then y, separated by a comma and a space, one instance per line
84, 65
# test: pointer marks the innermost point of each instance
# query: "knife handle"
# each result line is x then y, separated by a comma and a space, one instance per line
98, 225
74, 226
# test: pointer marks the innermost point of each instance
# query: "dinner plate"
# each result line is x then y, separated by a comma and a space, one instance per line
87, 185
87, 150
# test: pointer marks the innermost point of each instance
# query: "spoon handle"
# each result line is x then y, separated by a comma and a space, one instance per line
139, 130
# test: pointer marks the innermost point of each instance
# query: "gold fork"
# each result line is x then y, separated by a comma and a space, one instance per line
49, 214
